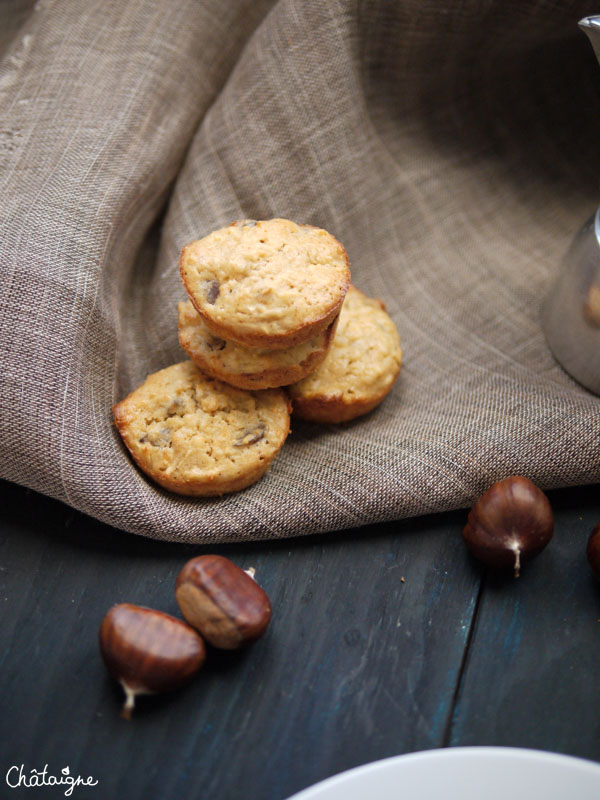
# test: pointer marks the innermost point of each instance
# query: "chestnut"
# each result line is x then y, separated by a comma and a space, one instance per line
222, 601
509, 524
148, 651
593, 551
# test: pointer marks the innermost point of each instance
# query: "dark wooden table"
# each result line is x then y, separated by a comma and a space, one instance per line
357, 665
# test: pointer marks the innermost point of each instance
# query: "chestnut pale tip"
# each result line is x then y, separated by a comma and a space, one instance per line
514, 546
129, 703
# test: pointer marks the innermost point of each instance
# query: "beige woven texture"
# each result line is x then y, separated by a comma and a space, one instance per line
451, 147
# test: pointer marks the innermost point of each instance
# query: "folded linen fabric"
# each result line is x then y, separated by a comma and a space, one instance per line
452, 149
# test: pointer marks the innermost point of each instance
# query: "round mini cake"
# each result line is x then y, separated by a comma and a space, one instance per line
245, 367
359, 369
198, 436
271, 284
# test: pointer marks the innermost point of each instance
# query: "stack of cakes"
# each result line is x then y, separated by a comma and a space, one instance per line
263, 312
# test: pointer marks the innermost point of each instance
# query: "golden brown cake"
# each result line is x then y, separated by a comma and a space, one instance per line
198, 436
245, 367
359, 369
270, 284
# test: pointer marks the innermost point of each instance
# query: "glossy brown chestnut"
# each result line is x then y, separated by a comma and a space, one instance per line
511, 522
222, 601
148, 651
593, 551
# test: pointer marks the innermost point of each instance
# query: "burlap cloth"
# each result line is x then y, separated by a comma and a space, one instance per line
452, 147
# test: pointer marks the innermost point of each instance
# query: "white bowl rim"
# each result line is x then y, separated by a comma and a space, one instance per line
451, 753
